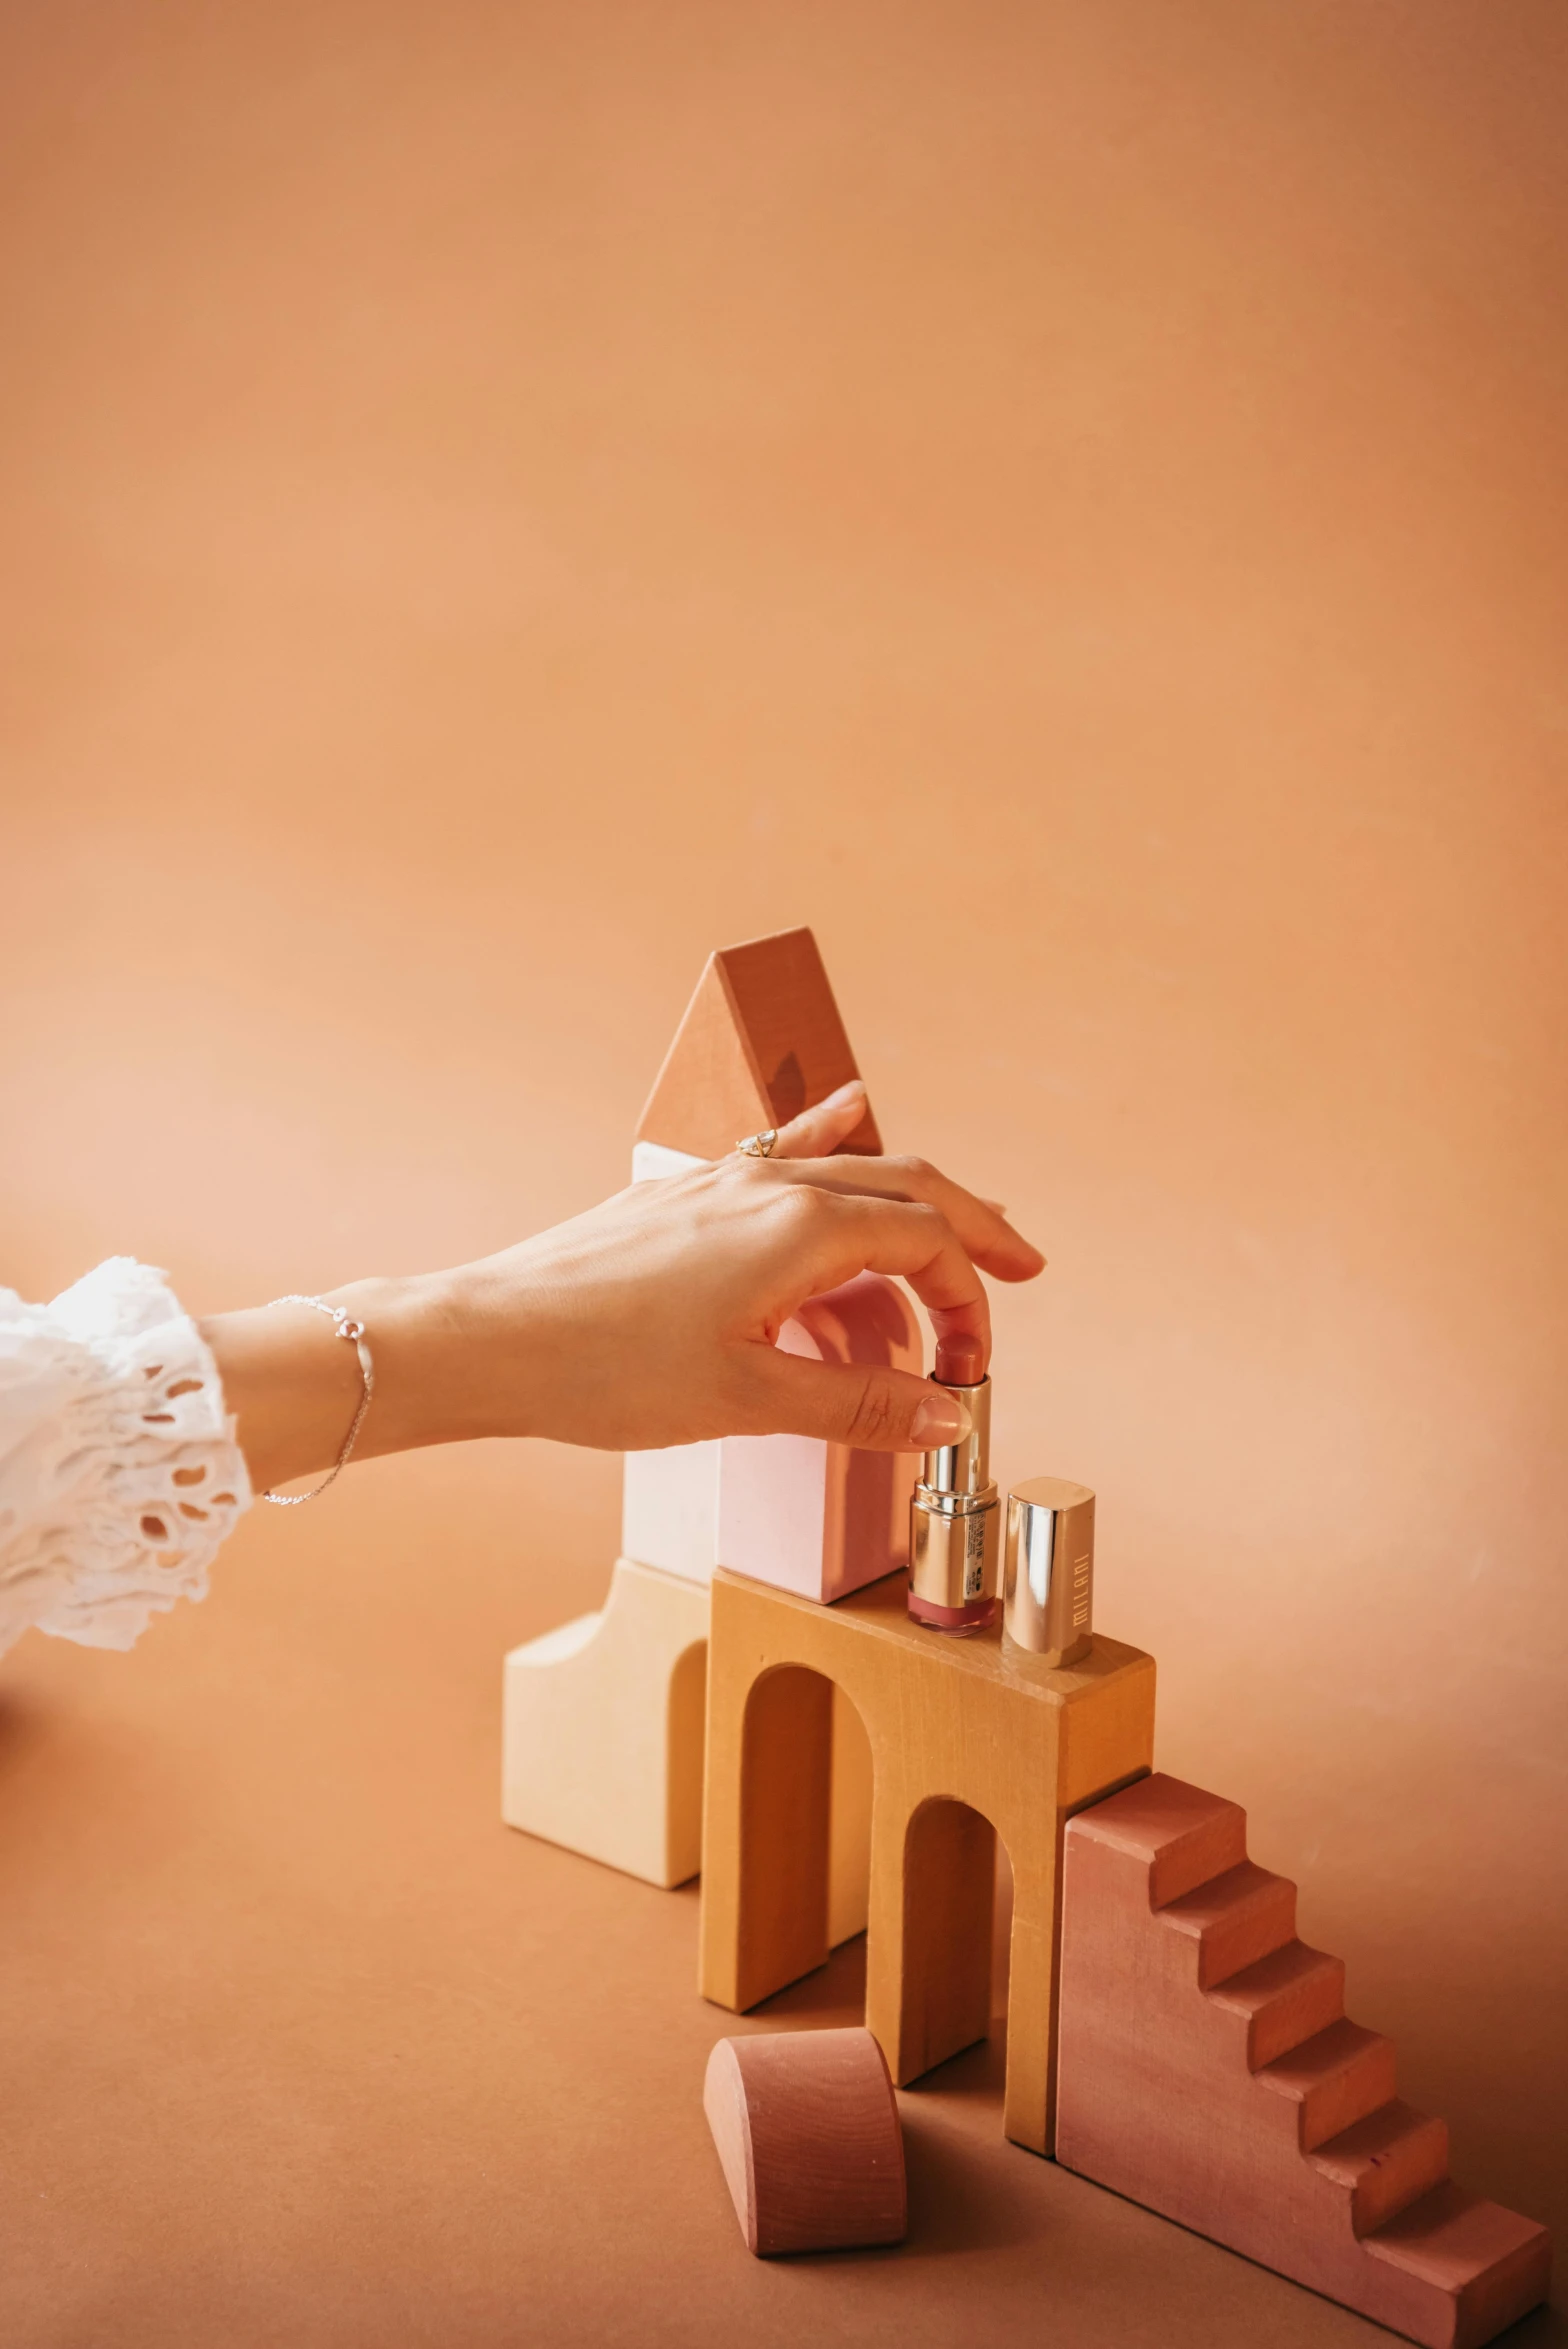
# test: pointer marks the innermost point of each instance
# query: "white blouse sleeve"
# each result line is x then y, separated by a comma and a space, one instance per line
119, 1472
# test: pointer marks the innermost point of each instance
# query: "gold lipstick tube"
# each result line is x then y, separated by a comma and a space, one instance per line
955, 1525
1048, 1580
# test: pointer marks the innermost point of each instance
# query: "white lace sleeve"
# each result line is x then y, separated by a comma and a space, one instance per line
119, 1472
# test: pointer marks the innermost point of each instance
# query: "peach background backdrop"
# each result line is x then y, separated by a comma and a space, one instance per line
1070, 502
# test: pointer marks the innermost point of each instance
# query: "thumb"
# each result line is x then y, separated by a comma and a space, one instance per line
853, 1403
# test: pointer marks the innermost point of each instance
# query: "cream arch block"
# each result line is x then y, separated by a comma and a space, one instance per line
602, 1726
603, 1732
603, 1718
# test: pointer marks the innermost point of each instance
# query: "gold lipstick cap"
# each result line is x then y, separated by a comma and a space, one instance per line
1048, 1569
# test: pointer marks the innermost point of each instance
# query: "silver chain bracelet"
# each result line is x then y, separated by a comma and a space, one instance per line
345, 1326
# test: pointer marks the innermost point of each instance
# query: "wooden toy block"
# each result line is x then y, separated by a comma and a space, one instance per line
807, 2130
670, 1499
761, 1041
1207, 2069
670, 1509
813, 1517
602, 1741
651, 1162
968, 1740
849, 1824
602, 1725
603, 1718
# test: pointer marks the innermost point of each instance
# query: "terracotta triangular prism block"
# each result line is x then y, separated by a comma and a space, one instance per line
761, 1041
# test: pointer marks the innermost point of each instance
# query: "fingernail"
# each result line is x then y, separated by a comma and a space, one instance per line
843, 1092
940, 1419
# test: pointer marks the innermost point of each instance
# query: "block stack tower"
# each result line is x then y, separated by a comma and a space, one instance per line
603, 1718
1168, 2034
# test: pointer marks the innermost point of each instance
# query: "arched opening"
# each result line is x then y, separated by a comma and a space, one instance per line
849, 1823
685, 1721
957, 1916
805, 1828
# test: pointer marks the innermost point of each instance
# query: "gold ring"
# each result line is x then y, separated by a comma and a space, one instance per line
758, 1145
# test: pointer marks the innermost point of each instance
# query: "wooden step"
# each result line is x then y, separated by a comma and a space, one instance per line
1494, 2265
1385, 2162
1285, 1997
1336, 2078
1235, 1919
1184, 1835
1206, 2068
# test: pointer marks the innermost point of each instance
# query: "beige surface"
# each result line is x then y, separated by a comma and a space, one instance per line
1068, 500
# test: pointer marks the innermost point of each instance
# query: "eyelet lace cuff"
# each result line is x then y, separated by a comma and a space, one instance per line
119, 1472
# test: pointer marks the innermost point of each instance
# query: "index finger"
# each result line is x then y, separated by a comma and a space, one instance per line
818, 1131
916, 1243
982, 1228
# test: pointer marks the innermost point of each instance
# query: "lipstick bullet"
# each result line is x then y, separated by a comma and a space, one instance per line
955, 1522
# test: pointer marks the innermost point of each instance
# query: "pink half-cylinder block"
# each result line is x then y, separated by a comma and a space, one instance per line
818, 1518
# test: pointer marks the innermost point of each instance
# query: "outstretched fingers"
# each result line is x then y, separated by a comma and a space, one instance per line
981, 1227
839, 1234
804, 1151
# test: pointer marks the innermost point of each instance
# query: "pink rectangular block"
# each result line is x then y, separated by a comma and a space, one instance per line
814, 1518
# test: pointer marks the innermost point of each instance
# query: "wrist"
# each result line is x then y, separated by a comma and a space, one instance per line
405, 1321
451, 1362
290, 1389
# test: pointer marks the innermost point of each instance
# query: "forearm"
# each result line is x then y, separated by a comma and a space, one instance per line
294, 1385
651, 1320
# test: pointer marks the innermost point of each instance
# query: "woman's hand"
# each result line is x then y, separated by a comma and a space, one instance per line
650, 1320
